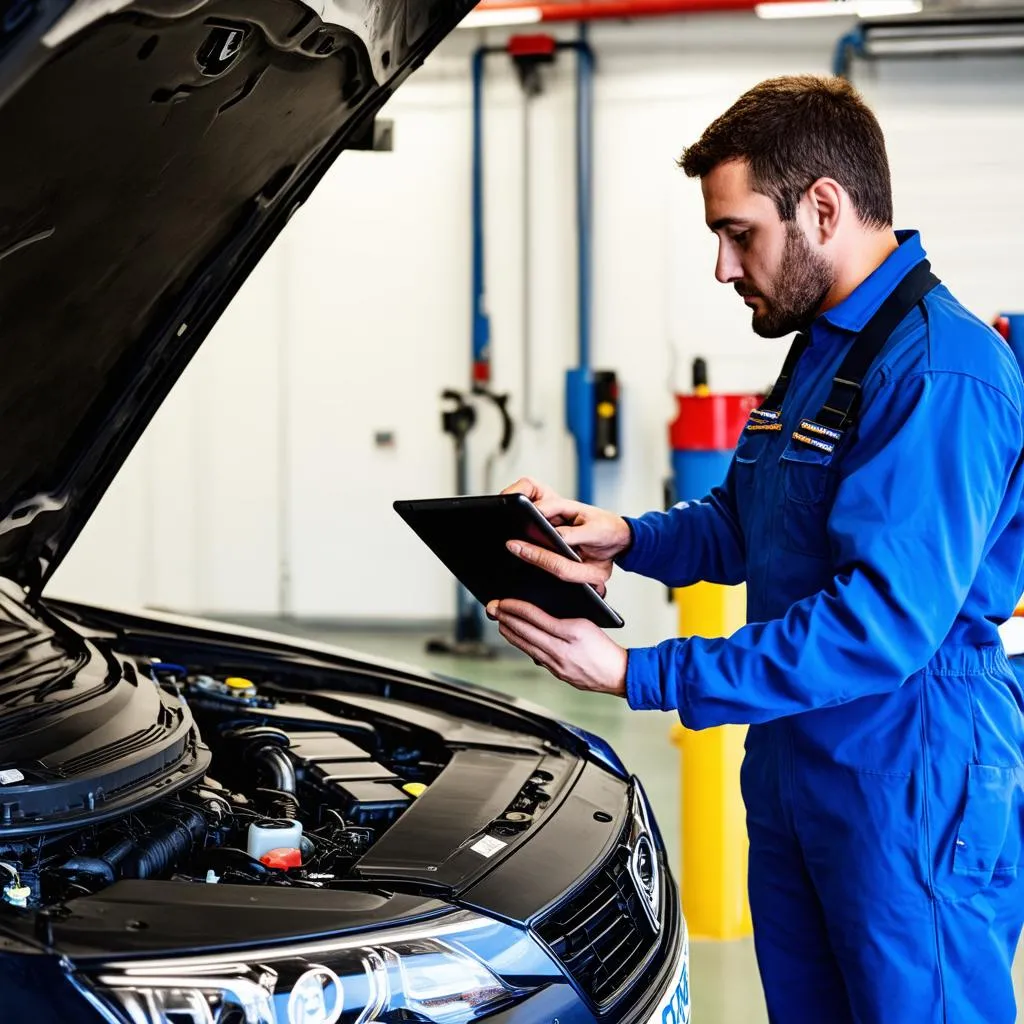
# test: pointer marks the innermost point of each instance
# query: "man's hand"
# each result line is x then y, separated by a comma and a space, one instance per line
596, 535
573, 650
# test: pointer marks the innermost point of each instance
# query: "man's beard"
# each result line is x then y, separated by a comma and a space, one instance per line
803, 280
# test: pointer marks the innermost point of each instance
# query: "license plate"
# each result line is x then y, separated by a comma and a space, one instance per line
675, 1004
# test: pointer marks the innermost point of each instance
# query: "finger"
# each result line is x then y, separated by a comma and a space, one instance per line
558, 508
558, 565
517, 640
525, 485
535, 642
602, 590
582, 535
515, 612
492, 610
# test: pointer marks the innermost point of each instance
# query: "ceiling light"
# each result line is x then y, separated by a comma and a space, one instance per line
843, 8
496, 17
934, 45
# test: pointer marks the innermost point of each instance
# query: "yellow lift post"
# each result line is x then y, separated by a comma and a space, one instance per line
714, 847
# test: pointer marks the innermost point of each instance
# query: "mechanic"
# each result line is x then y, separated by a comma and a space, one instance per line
873, 508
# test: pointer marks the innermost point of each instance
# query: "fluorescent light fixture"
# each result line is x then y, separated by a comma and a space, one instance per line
896, 46
497, 17
842, 8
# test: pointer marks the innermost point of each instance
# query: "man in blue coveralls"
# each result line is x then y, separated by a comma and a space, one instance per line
873, 509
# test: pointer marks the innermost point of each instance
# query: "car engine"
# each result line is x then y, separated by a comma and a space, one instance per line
115, 768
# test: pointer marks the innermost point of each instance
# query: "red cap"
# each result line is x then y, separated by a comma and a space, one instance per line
283, 857
1002, 325
710, 422
532, 46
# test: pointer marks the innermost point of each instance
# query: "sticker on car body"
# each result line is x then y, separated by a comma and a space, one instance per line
488, 846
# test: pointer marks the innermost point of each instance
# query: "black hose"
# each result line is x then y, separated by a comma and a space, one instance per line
166, 846
277, 765
264, 746
162, 848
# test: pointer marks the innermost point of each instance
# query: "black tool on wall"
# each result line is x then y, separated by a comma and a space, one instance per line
458, 421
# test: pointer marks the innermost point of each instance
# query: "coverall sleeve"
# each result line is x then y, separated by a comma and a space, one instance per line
922, 488
694, 541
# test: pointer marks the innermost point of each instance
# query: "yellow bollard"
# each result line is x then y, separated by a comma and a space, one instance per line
714, 868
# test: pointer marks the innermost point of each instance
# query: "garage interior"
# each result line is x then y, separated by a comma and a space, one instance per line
459, 251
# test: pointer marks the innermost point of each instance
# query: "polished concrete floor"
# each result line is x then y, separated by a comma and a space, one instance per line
725, 984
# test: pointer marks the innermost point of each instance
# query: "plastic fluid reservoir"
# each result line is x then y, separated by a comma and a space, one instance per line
273, 835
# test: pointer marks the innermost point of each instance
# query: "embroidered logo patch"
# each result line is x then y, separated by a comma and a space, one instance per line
763, 420
814, 435
816, 428
823, 446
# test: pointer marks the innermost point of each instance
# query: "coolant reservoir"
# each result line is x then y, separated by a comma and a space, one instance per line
238, 687
273, 835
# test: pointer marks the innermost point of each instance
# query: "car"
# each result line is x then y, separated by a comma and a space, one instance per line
205, 825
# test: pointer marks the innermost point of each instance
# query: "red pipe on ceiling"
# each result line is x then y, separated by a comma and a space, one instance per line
594, 10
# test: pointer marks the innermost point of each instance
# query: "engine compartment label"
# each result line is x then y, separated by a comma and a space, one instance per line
488, 846
9, 776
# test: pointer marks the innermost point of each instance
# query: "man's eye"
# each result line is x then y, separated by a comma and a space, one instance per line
741, 237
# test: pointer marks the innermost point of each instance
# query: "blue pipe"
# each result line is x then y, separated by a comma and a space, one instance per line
579, 398
481, 325
579, 390
849, 46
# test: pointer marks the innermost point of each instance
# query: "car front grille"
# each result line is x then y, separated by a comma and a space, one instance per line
602, 934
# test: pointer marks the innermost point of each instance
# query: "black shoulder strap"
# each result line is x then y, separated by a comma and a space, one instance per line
844, 399
766, 415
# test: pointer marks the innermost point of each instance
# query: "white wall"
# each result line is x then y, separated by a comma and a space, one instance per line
259, 488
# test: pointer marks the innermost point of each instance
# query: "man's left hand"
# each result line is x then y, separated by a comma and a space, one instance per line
573, 650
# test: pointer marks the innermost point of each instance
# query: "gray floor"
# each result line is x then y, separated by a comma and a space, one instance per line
725, 985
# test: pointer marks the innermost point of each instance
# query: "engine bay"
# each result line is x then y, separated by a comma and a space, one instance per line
247, 767
294, 794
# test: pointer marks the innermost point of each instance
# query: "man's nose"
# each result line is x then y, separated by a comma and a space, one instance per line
728, 268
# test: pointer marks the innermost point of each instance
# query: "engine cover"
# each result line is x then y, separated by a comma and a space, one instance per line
83, 736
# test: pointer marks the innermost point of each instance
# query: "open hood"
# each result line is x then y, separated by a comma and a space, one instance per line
151, 153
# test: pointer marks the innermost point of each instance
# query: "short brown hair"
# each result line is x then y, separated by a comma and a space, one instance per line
793, 131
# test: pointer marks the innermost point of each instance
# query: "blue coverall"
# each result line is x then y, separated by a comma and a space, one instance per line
883, 775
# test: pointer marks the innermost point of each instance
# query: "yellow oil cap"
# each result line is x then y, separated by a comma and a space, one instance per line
237, 683
415, 789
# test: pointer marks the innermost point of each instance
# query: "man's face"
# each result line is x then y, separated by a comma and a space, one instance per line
769, 262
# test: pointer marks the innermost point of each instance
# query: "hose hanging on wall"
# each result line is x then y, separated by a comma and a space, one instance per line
458, 421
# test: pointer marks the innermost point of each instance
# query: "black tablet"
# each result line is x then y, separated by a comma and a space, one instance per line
469, 536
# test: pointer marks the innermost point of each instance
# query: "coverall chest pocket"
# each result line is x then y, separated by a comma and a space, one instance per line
808, 485
751, 445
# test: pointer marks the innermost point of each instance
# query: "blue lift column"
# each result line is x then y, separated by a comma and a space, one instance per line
591, 417
579, 384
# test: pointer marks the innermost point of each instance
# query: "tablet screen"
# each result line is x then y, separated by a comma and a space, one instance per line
469, 536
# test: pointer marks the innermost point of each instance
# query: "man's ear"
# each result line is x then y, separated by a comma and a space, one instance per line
827, 202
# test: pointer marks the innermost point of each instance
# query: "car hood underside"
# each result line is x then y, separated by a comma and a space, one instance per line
150, 156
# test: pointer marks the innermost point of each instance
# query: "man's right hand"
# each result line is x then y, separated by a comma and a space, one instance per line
597, 536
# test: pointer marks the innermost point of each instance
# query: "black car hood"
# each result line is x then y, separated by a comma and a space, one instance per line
151, 153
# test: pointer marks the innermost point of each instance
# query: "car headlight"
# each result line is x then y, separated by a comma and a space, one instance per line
420, 974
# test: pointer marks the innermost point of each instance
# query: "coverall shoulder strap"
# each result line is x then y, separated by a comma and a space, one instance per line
840, 408
766, 415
